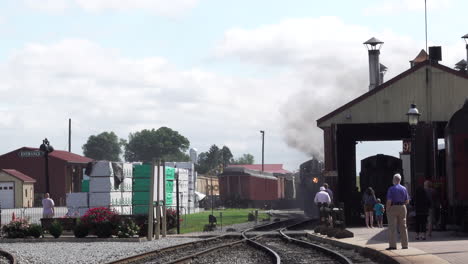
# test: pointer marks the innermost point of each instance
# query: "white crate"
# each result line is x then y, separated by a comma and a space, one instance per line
79, 199
126, 210
102, 184
128, 170
105, 199
117, 209
102, 168
126, 198
126, 185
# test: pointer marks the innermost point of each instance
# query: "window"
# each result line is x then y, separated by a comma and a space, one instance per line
26, 193
11, 188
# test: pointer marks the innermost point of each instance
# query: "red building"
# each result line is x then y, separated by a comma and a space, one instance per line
65, 171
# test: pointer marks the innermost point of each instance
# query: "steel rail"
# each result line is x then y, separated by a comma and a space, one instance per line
332, 253
11, 258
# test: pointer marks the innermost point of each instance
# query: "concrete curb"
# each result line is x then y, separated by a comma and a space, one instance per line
71, 239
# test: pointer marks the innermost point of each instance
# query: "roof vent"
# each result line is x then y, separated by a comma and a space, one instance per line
461, 66
435, 54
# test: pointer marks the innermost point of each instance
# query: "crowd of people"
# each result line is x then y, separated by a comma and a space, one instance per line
423, 202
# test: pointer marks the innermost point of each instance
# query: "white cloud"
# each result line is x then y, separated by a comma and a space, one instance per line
161, 7
324, 64
389, 7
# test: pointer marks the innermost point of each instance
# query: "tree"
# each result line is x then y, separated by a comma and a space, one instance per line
213, 158
246, 159
163, 143
105, 146
226, 156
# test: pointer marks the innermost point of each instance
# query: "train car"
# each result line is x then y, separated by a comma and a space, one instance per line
311, 178
245, 187
377, 172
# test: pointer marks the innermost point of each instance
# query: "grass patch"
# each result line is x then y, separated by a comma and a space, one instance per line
196, 222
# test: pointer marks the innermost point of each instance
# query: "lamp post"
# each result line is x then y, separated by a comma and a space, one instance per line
263, 148
177, 198
413, 119
46, 148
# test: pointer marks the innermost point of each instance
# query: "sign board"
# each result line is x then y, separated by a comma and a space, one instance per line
30, 154
330, 173
406, 146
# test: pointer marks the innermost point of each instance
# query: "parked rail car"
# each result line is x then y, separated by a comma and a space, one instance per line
377, 172
244, 187
311, 178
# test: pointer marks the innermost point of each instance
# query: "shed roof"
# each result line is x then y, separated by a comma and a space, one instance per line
19, 175
387, 84
62, 155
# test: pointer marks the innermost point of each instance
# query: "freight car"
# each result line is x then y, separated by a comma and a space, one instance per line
241, 187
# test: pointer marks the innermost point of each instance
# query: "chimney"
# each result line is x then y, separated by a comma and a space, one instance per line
466, 41
461, 66
373, 46
435, 54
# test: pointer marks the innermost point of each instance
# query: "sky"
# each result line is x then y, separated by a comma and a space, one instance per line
216, 71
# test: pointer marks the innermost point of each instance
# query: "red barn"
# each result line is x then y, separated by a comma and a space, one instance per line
65, 171
247, 182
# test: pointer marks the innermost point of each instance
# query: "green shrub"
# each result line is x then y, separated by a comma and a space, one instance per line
104, 229
56, 229
251, 217
35, 230
17, 228
127, 228
80, 230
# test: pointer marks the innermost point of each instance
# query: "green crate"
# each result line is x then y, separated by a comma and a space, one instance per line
142, 171
138, 210
141, 184
169, 186
85, 186
170, 173
140, 196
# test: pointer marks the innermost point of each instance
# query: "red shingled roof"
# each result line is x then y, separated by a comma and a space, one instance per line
65, 155
273, 168
19, 175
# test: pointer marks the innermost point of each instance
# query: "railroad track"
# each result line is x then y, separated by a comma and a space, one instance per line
287, 249
7, 256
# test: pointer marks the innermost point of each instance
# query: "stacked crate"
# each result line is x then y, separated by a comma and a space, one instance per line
183, 189
126, 187
141, 187
102, 189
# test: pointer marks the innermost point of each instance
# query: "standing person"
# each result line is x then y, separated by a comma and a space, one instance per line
369, 200
329, 191
322, 199
397, 199
48, 210
422, 205
379, 209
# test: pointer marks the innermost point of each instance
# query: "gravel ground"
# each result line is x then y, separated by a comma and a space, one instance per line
238, 254
100, 252
95, 252
4, 260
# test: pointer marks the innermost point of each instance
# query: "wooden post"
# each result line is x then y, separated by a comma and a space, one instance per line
151, 204
164, 220
158, 204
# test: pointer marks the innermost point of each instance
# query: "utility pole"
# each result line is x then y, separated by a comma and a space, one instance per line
69, 135
263, 149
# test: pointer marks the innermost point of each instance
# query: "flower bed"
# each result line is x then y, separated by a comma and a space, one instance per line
67, 223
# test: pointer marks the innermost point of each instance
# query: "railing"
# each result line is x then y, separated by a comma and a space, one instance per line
33, 214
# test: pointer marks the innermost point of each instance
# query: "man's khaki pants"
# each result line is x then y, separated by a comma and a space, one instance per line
396, 215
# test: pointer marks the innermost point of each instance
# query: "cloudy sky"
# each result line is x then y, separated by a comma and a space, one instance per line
217, 71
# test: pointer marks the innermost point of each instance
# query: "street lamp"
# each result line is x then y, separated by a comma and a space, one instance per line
465, 37
413, 119
46, 148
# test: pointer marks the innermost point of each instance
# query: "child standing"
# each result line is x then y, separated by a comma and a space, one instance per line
379, 211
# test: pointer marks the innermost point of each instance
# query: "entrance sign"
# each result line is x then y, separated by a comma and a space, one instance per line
30, 154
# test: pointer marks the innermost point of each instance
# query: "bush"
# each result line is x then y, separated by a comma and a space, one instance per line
56, 229
35, 230
251, 217
171, 218
104, 229
80, 230
17, 228
127, 228
100, 218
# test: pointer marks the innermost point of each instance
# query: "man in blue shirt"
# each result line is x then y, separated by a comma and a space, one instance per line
397, 199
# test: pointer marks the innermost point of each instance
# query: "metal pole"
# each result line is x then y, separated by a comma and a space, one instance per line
151, 204
46, 155
69, 135
413, 160
158, 200
263, 149
212, 196
177, 200
164, 220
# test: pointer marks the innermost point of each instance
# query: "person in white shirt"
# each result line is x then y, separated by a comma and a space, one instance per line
48, 207
322, 196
